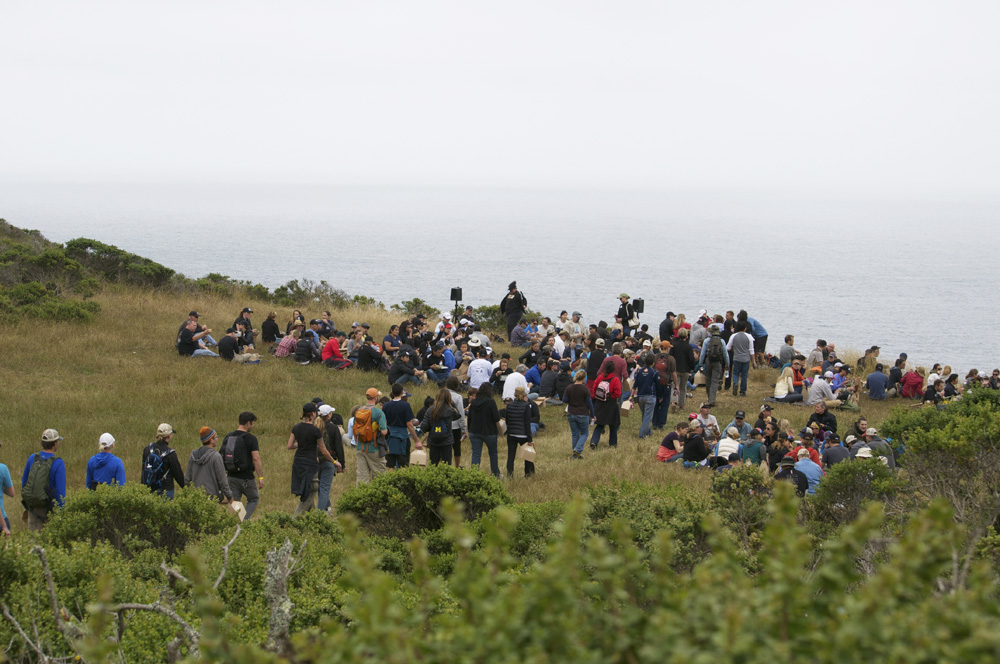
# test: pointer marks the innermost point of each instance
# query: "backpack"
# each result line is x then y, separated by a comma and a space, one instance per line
661, 368
602, 390
154, 468
234, 453
364, 426
36, 492
715, 349
440, 430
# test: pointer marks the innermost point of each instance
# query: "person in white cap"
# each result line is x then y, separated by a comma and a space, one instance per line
43, 483
104, 467
444, 324
160, 465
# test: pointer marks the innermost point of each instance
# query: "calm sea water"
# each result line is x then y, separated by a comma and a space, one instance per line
911, 276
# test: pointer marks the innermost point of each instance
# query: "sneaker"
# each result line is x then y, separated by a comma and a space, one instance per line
593, 447
577, 455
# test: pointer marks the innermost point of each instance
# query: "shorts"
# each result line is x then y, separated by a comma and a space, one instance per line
759, 344
456, 446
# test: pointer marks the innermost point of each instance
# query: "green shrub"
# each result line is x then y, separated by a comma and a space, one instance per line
531, 529
647, 510
740, 496
118, 266
403, 503
848, 486
133, 519
414, 307
489, 317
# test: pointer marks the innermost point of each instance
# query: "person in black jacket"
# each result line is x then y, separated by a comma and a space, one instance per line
171, 466
513, 306
695, 450
436, 424
788, 473
826, 420
482, 424
683, 354
626, 312
518, 417
269, 331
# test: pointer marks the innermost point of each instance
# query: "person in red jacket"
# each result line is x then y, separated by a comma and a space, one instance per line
605, 390
913, 383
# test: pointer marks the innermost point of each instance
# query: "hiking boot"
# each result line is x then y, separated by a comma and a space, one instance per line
577, 455
593, 446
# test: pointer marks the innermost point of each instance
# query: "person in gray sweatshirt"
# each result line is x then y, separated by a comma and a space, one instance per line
206, 468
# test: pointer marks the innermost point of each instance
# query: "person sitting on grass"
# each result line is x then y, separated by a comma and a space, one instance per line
696, 452
187, 341
672, 445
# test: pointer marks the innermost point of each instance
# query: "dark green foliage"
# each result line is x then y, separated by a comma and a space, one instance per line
530, 530
118, 266
35, 300
306, 291
414, 307
849, 486
403, 503
740, 496
132, 519
647, 510
489, 318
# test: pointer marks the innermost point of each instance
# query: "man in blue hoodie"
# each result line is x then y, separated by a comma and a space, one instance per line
104, 467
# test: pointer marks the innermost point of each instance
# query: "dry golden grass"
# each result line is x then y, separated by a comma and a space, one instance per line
123, 375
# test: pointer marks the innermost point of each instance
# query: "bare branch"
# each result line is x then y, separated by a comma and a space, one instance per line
192, 635
67, 627
42, 657
294, 566
225, 557
173, 574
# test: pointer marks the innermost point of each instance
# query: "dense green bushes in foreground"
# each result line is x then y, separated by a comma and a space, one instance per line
877, 567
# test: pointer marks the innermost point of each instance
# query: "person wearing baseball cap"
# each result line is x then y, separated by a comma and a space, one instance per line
310, 448
244, 318
741, 425
50, 472
513, 306
368, 423
104, 467
160, 465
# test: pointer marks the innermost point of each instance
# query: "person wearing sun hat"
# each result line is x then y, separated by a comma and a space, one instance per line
206, 469
626, 314
104, 467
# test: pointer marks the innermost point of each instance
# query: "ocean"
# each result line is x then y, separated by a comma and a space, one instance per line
914, 276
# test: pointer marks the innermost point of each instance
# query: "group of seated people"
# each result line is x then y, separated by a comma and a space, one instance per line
801, 457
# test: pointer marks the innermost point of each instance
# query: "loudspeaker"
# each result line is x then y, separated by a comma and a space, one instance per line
456, 294
639, 305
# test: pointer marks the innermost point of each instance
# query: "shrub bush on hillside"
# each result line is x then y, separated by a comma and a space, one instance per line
847, 487
132, 519
740, 496
649, 509
404, 502
117, 265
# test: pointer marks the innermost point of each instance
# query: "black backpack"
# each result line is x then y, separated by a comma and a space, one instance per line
716, 350
235, 456
155, 468
440, 430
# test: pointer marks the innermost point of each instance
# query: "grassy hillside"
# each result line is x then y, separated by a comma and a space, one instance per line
117, 370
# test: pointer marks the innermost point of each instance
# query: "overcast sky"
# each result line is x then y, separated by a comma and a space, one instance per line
866, 96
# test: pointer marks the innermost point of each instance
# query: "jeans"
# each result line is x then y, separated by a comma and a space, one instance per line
248, 488
438, 376
740, 370
579, 427
477, 440
662, 408
791, 397
647, 402
534, 429
209, 340
334, 363
408, 378
513, 442
204, 352
327, 471
599, 431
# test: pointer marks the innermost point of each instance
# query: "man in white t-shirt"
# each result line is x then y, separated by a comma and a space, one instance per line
480, 370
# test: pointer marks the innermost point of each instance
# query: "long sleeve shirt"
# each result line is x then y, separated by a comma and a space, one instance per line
57, 476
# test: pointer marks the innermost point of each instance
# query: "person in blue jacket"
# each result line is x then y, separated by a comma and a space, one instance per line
104, 467
37, 516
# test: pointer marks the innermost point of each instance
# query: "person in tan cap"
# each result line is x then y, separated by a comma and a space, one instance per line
370, 431
43, 484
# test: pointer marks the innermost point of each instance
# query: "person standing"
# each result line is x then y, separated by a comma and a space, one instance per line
104, 467
605, 390
160, 466
437, 424
206, 469
459, 426
6, 489
714, 358
579, 411
400, 420
307, 441
482, 423
683, 356
644, 393
741, 347
43, 483
369, 423
241, 457
626, 315
513, 306
518, 416
334, 442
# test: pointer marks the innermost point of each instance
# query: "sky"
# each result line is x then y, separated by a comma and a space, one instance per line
891, 97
